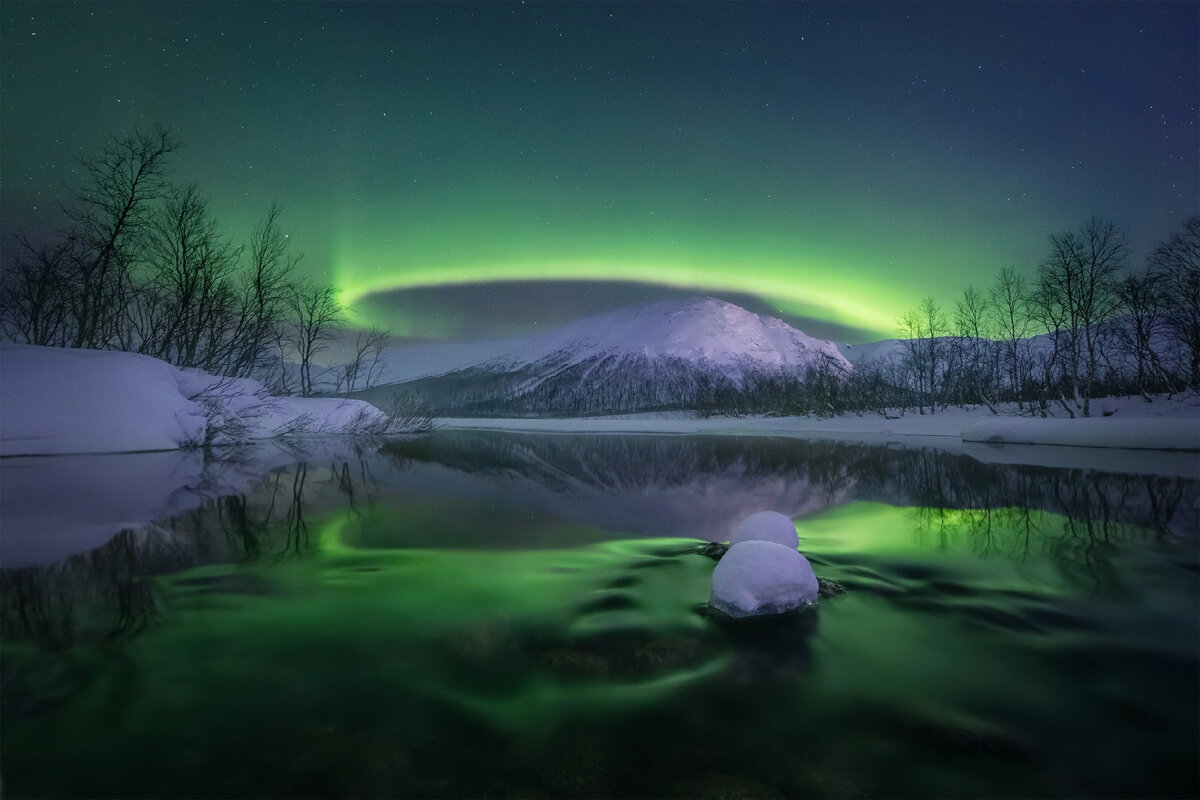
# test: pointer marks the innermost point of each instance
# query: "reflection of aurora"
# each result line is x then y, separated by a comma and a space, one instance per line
473, 612
487, 489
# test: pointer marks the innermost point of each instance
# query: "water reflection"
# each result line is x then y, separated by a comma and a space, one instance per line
482, 614
489, 490
701, 487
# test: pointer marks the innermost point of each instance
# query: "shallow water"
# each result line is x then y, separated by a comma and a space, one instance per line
483, 614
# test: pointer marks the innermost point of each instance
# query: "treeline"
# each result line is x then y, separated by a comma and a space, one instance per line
599, 385
1087, 325
143, 267
624, 384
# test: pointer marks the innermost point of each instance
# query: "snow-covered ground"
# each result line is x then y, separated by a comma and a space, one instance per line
54, 401
1161, 437
1165, 424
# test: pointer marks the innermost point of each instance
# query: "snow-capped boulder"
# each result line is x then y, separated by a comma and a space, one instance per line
759, 578
766, 526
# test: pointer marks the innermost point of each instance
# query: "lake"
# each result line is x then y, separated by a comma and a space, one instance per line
483, 614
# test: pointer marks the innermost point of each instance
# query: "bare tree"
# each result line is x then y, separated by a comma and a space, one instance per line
922, 332
263, 294
1010, 310
315, 314
76, 291
915, 356
1142, 308
934, 320
191, 294
110, 221
35, 304
1048, 312
363, 369
972, 351
1176, 263
1078, 283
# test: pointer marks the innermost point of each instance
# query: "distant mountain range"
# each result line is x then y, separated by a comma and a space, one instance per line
662, 356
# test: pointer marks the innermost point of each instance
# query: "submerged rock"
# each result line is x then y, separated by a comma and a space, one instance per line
758, 578
766, 526
830, 588
713, 550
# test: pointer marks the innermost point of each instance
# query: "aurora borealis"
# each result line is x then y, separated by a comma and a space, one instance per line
467, 169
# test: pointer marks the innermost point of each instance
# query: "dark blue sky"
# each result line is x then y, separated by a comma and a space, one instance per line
832, 163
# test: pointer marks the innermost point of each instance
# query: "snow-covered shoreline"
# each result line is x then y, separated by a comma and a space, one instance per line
56, 401
59, 401
1160, 438
1129, 424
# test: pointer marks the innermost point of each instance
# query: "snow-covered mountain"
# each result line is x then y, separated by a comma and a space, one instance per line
670, 354
700, 330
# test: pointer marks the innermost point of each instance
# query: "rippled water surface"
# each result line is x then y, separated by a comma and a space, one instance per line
523, 616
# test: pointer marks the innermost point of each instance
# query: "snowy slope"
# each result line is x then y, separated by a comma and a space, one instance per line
872, 352
701, 329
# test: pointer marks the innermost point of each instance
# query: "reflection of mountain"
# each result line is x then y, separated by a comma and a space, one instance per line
720, 479
494, 490
645, 485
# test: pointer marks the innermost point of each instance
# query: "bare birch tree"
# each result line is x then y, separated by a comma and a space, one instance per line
1010, 310
110, 219
1078, 288
315, 315
1176, 263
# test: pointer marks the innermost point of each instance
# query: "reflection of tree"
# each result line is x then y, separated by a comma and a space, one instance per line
105, 594
356, 489
110, 593
297, 541
1076, 518
1073, 517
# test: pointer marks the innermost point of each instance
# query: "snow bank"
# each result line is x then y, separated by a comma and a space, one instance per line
55, 401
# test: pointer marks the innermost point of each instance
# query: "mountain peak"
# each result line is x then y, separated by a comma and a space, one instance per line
698, 329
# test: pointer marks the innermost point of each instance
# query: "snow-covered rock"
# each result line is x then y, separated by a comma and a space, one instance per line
55, 400
757, 578
766, 526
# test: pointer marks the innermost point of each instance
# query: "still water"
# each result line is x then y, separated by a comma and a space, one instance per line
499, 615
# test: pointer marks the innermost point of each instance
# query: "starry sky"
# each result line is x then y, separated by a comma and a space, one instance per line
485, 169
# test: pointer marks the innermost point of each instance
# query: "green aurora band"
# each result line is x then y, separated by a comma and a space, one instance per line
798, 299
805, 272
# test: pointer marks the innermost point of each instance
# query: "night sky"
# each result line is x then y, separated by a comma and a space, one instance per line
484, 169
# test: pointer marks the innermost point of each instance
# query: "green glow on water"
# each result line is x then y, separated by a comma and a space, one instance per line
355, 669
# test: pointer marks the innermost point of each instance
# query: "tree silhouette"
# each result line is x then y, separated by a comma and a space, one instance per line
1176, 264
